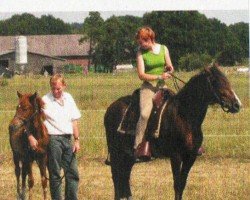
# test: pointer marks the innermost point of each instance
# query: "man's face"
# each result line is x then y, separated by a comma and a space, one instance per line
57, 89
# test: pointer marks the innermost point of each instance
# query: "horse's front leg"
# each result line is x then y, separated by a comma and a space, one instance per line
24, 174
176, 169
17, 173
188, 161
30, 179
42, 166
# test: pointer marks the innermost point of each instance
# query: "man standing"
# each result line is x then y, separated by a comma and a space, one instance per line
62, 117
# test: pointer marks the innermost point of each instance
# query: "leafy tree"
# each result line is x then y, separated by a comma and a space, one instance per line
194, 61
28, 24
51, 25
117, 44
241, 32
92, 30
182, 32
25, 24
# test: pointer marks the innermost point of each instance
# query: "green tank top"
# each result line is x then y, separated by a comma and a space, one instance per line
154, 63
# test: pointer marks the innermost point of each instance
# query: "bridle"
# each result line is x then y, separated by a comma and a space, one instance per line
217, 97
220, 101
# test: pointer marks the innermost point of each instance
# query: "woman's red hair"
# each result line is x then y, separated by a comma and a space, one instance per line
145, 33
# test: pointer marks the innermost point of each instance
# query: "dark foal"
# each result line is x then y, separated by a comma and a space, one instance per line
180, 129
29, 118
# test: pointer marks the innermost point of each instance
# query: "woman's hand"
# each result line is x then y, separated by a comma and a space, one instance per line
169, 69
165, 75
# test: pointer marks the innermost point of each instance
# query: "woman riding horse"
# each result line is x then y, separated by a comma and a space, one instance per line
180, 129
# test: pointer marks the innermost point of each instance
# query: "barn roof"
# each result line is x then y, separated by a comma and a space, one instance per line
43, 55
50, 45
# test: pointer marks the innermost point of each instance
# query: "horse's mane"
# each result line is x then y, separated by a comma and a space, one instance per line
41, 106
212, 73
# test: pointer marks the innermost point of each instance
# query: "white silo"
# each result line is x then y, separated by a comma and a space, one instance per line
21, 51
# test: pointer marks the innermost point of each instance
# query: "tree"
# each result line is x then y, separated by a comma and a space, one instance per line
117, 44
51, 25
92, 30
28, 24
241, 32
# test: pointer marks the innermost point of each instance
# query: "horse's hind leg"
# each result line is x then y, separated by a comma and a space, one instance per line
121, 170
42, 166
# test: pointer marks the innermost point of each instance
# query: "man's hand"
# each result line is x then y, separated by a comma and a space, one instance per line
76, 146
33, 142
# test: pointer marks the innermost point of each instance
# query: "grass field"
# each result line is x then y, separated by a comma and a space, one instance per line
221, 173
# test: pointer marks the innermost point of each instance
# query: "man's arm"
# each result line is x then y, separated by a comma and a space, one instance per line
76, 146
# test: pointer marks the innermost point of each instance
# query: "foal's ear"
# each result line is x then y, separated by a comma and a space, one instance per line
19, 94
33, 97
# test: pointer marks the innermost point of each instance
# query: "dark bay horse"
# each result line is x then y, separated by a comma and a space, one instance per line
180, 129
29, 118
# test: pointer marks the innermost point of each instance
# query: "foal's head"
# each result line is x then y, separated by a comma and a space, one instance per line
29, 107
220, 90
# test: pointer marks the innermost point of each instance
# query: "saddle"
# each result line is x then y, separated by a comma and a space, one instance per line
132, 113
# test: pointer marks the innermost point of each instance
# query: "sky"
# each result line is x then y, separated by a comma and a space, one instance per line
227, 11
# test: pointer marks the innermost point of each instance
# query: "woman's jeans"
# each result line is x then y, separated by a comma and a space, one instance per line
60, 155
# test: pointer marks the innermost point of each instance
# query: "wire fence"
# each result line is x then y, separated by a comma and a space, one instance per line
93, 139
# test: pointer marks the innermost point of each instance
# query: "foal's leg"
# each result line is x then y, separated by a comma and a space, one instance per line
42, 163
24, 174
17, 173
30, 179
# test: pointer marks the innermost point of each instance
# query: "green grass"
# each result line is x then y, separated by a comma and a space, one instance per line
221, 173
94, 93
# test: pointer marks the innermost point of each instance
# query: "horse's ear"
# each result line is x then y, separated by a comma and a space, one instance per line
207, 71
19, 94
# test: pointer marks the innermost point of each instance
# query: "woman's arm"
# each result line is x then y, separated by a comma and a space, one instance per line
169, 67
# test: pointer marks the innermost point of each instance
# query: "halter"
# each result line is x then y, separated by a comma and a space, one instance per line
26, 121
217, 97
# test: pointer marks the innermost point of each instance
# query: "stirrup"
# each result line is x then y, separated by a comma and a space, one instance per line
143, 151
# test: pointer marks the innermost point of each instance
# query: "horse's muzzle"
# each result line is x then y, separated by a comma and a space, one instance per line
234, 108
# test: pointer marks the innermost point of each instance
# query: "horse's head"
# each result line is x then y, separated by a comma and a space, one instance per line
30, 105
221, 91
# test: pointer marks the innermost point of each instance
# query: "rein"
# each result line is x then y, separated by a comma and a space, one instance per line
175, 78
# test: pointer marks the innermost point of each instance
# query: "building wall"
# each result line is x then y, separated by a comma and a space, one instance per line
35, 63
77, 60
